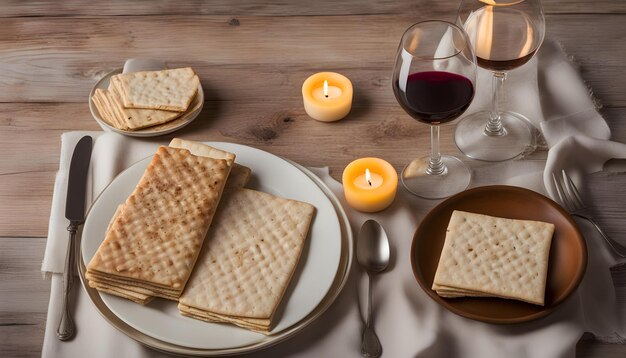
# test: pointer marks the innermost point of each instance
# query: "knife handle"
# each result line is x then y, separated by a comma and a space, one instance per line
66, 324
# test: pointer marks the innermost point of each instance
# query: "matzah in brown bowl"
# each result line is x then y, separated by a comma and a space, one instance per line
566, 264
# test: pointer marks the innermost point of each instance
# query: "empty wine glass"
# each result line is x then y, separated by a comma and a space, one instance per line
433, 80
505, 35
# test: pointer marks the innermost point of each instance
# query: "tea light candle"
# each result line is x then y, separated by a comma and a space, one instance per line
327, 96
370, 184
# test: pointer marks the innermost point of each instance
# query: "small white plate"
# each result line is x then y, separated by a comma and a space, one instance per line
194, 110
314, 276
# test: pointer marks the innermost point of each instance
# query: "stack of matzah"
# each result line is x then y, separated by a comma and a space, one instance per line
155, 237
144, 99
486, 256
246, 263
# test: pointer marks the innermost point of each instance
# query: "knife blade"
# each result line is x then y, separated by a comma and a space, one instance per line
75, 213
77, 182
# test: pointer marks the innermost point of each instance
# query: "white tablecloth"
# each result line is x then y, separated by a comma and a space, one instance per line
408, 322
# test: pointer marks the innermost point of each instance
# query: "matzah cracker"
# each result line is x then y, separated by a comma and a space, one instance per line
494, 257
170, 90
156, 236
201, 149
132, 285
129, 295
110, 107
238, 178
106, 113
137, 118
248, 259
118, 210
253, 324
239, 174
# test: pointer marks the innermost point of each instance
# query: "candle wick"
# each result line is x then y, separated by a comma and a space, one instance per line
369, 182
326, 95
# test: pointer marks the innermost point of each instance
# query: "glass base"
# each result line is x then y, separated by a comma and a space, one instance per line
454, 179
471, 139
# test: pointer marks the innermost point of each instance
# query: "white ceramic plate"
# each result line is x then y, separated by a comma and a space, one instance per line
315, 274
194, 110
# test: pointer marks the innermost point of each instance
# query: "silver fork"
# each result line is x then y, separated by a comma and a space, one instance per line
572, 200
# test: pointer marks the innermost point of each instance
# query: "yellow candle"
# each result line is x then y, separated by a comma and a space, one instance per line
370, 184
327, 96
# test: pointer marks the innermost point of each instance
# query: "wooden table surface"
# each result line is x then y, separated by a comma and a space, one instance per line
252, 57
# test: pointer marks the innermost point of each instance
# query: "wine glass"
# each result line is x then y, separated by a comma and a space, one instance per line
433, 80
505, 35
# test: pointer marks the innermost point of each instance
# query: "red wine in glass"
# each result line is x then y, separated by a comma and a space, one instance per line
433, 81
435, 97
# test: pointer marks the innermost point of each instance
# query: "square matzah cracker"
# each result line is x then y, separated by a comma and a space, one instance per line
170, 90
156, 236
248, 259
136, 118
490, 256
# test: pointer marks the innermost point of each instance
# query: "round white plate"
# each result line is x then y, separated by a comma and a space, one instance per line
314, 276
194, 110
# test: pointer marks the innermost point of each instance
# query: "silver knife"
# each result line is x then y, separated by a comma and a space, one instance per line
75, 213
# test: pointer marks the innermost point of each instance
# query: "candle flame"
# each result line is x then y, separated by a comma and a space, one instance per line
325, 88
368, 176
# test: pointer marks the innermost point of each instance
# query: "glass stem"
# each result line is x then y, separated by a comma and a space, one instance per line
494, 125
435, 164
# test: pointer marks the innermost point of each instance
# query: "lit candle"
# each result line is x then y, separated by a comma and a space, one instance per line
370, 184
327, 96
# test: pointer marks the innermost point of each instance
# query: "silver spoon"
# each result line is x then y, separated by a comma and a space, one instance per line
372, 253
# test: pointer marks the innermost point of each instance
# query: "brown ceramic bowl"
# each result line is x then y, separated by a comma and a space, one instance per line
567, 262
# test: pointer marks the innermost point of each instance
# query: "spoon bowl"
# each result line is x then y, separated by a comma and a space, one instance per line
372, 253
372, 248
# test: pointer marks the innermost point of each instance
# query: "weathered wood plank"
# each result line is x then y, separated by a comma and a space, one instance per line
610, 214
589, 348
597, 52
16, 8
24, 297
26, 200
23, 340
219, 7
20, 273
69, 55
